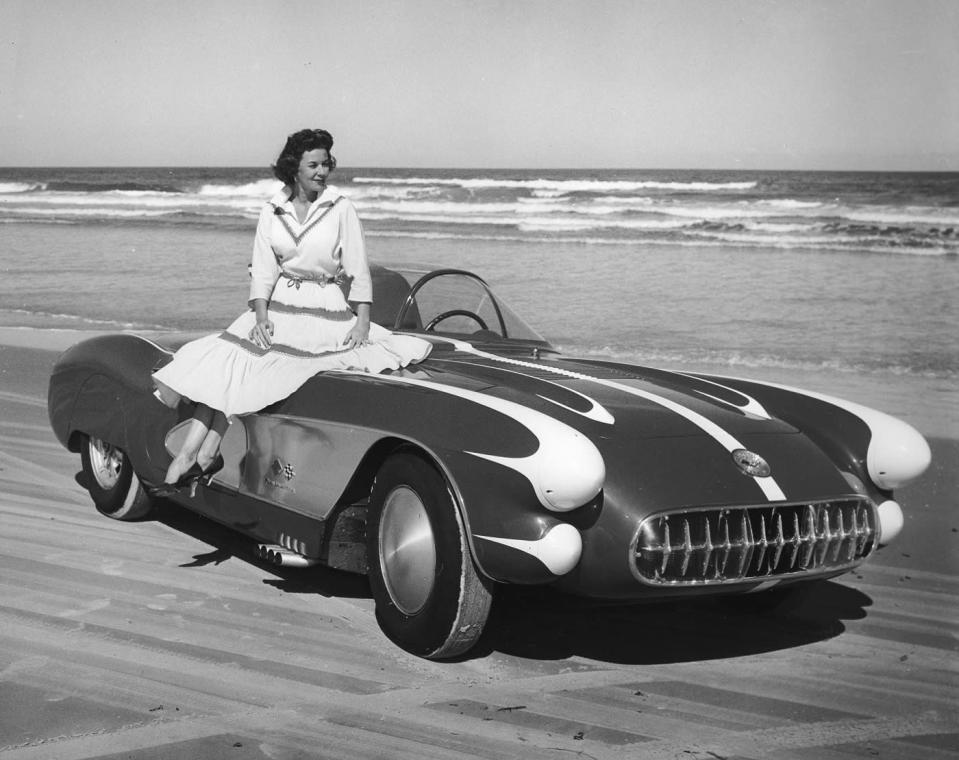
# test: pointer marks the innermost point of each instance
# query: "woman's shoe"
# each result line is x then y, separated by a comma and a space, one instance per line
164, 490
188, 480
206, 475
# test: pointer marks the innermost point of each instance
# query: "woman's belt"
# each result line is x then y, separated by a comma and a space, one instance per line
295, 280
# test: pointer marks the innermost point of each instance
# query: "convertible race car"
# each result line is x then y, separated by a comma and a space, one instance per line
499, 461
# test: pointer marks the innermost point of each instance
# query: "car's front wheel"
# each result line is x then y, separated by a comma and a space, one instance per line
113, 485
429, 597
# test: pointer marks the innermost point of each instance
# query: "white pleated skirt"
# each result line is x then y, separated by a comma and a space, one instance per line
228, 372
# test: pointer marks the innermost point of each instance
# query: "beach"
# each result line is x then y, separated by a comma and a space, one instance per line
167, 638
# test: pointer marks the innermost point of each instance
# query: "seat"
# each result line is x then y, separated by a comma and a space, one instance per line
390, 290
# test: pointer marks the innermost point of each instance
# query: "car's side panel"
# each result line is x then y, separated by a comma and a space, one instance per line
262, 521
300, 463
307, 466
474, 444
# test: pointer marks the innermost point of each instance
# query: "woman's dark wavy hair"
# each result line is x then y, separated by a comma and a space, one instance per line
288, 162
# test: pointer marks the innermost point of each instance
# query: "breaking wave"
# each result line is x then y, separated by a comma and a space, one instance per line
750, 210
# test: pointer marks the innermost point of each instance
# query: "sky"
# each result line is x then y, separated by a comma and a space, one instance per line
695, 84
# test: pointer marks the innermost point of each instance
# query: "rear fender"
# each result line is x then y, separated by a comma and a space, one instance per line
102, 387
98, 411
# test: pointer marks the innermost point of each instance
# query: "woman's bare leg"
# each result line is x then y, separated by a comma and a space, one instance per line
210, 447
186, 457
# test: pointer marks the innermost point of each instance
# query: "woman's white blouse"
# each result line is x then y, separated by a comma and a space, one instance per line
328, 242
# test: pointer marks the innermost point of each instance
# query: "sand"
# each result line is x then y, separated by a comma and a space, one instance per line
166, 639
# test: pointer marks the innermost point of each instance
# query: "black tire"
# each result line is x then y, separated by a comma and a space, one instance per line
114, 487
429, 597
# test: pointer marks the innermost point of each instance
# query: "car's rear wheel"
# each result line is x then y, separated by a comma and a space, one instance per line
429, 597
113, 485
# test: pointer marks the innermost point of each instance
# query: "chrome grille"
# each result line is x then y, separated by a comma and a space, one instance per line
729, 544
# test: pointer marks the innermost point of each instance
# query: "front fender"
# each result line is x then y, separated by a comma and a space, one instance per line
514, 471
884, 450
514, 538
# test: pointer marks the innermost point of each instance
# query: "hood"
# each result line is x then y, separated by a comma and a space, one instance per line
607, 400
667, 438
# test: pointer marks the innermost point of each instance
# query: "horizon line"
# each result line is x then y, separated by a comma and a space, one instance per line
488, 169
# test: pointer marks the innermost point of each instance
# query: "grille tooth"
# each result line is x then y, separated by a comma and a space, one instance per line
745, 545
866, 536
777, 556
764, 544
710, 561
852, 537
667, 547
785, 546
729, 544
687, 549
725, 546
837, 539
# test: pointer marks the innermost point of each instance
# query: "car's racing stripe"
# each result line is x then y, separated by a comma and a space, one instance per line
768, 485
752, 406
597, 412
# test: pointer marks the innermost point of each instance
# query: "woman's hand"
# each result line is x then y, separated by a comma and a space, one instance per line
262, 333
359, 335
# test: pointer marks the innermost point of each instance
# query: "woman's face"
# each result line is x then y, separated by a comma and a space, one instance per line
313, 171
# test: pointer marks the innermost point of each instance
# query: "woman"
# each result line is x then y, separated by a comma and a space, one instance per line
308, 241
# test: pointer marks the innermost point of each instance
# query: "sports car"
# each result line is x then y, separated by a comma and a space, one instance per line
498, 460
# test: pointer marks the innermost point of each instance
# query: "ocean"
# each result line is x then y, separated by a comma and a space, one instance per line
737, 271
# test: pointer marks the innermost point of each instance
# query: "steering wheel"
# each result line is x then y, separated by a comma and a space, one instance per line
431, 326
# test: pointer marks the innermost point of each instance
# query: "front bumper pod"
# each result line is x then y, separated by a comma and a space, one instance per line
553, 554
891, 521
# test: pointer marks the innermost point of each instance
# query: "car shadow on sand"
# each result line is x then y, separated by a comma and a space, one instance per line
228, 544
539, 623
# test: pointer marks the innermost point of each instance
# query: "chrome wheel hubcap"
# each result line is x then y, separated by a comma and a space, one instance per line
407, 550
106, 461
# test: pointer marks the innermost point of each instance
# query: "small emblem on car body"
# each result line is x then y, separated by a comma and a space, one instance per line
280, 469
751, 463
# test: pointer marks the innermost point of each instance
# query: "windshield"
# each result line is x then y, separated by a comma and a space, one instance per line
445, 301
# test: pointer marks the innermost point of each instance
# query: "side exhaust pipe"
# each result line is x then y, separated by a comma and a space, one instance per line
280, 555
